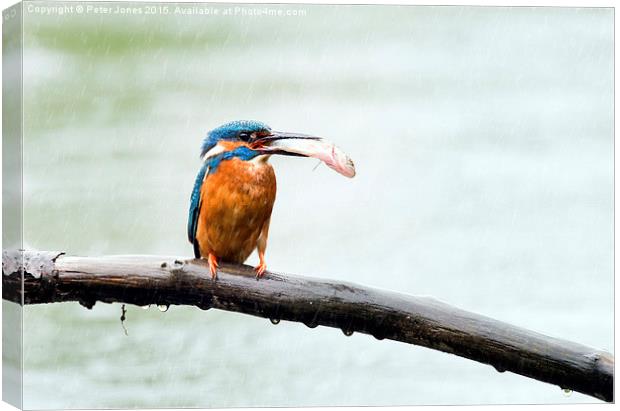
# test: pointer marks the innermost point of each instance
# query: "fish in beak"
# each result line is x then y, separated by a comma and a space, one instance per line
294, 144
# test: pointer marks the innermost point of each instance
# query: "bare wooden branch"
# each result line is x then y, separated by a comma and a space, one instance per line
141, 280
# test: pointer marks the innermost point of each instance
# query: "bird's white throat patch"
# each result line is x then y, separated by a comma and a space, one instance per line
217, 149
261, 159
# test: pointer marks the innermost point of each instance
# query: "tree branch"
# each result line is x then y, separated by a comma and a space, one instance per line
142, 280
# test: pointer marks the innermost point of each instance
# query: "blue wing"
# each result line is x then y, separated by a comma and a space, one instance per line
194, 208
209, 166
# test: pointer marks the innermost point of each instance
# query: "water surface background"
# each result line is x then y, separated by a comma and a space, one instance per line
483, 141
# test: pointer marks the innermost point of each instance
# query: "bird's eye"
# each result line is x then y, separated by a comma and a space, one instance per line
244, 136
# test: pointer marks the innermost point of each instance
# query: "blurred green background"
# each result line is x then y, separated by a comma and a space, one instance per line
483, 142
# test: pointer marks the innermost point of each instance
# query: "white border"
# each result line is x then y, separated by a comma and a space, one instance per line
522, 3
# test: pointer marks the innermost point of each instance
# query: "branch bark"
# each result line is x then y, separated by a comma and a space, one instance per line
142, 280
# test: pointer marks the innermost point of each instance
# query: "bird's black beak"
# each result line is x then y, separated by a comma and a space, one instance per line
289, 144
295, 144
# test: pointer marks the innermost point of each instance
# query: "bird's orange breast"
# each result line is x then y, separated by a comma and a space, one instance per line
236, 202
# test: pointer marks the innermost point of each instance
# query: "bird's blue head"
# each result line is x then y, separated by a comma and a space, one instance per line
235, 131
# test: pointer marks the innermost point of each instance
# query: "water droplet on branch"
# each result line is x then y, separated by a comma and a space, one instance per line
379, 336
163, 308
123, 318
274, 321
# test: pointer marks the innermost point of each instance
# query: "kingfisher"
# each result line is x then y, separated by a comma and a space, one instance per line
235, 189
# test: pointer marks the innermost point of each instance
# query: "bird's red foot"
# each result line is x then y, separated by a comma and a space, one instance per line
212, 259
262, 265
260, 269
